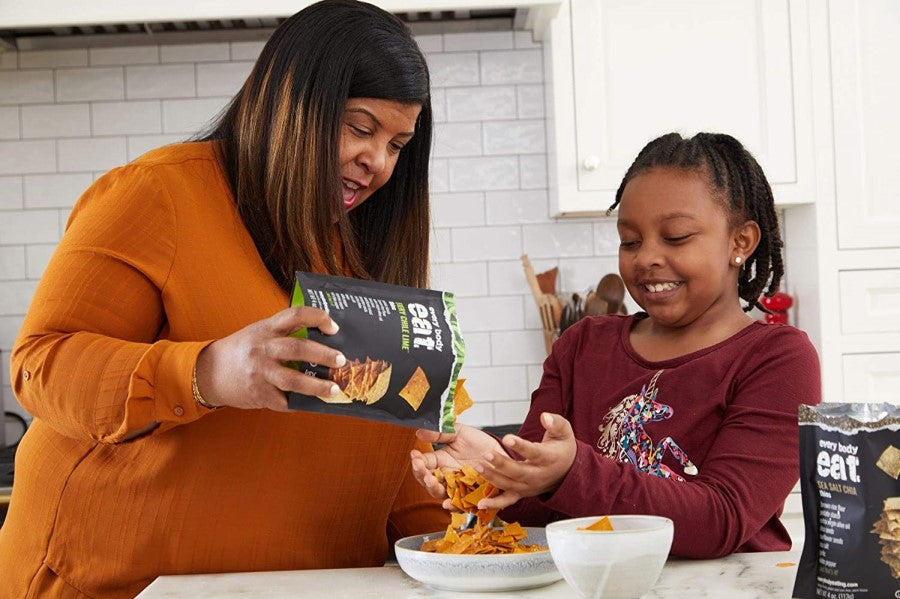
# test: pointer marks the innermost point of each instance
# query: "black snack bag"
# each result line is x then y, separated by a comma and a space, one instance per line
403, 349
849, 469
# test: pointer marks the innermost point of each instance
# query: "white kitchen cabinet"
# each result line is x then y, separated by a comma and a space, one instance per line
865, 65
872, 377
622, 72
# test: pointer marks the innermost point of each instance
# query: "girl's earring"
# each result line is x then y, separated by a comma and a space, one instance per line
737, 259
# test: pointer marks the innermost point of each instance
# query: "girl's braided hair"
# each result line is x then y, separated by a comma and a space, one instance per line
736, 177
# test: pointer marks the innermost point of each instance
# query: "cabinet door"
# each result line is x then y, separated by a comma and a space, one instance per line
865, 48
641, 68
871, 377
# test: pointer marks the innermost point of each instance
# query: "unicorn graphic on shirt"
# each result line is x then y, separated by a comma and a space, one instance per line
623, 437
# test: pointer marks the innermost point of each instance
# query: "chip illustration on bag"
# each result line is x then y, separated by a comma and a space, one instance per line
403, 347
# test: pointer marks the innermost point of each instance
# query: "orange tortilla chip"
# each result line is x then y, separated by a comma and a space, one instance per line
416, 388
602, 524
465, 487
462, 401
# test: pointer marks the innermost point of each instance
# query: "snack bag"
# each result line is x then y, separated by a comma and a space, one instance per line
403, 349
849, 469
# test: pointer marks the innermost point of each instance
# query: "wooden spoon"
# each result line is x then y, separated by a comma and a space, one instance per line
611, 289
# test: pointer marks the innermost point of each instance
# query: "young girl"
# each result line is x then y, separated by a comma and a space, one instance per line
687, 410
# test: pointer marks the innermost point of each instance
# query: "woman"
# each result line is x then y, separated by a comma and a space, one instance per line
166, 300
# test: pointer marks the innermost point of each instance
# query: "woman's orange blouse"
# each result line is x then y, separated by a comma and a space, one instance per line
154, 265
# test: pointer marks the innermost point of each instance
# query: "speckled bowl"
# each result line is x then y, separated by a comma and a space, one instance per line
477, 572
623, 563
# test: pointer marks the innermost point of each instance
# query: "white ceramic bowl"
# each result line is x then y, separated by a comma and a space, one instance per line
477, 572
620, 564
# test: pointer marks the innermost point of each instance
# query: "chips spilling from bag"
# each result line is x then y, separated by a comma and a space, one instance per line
465, 488
603, 524
403, 347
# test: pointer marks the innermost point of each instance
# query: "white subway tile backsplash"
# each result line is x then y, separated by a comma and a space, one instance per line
478, 347
464, 280
124, 118
535, 373
457, 139
453, 69
9, 328
11, 193
471, 174
222, 79
534, 171
480, 243
246, 50
55, 120
481, 103
190, 116
514, 137
517, 206
35, 59
438, 177
511, 348
5, 357
24, 157
160, 81
606, 237
507, 277
15, 297
490, 313
123, 55
12, 262
478, 40
95, 83
26, 87
457, 209
62, 217
139, 145
439, 105
194, 52
91, 154
439, 250
496, 383
558, 240
430, 42
530, 100
37, 256
29, 226
9, 122
515, 66
511, 412
479, 415
583, 274
56, 190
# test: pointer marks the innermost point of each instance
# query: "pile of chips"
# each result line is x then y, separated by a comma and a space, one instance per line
363, 381
466, 488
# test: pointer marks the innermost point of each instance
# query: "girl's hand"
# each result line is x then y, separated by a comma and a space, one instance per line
246, 369
543, 469
463, 446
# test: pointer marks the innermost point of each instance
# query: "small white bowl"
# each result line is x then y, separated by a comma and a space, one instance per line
506, 572
623, 563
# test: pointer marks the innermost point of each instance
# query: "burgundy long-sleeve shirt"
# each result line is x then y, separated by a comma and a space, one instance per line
729, 410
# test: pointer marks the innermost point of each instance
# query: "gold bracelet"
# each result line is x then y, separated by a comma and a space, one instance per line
196, 390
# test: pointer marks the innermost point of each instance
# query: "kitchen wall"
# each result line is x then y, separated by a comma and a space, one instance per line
67, 116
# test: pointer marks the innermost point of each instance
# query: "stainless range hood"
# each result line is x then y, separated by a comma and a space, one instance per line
44, 24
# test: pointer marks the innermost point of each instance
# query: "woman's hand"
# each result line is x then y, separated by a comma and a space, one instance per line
246, 369
465, 446
543, 469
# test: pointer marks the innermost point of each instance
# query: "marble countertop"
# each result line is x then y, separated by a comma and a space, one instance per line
739, 576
